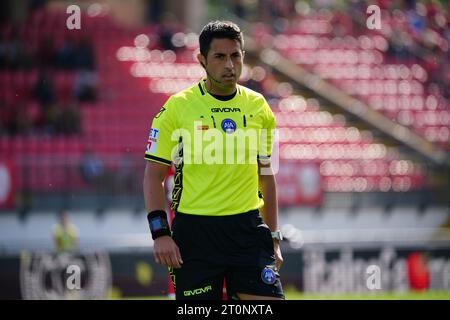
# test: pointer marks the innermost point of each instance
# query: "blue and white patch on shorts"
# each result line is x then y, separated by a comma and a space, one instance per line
268, 275
228, 125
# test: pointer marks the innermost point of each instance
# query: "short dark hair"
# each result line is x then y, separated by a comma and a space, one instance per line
221, 30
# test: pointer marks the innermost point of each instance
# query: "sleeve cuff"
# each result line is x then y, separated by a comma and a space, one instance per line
157, 159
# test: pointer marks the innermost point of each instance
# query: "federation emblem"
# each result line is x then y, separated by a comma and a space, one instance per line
229, 126
268, 275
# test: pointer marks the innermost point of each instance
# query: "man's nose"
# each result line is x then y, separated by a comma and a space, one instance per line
229, 63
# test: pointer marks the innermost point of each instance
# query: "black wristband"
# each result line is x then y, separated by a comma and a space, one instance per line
159, 226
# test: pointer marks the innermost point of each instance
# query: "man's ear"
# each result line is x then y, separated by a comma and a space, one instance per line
201, 59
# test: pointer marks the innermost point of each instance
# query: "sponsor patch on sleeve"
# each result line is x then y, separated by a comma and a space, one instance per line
153, 133
152, 142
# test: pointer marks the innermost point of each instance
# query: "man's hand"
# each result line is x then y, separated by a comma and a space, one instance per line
278, 256
166, 252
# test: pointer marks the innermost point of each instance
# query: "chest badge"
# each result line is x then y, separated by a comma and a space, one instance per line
229, 126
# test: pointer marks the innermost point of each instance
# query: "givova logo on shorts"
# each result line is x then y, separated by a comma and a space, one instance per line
195, 292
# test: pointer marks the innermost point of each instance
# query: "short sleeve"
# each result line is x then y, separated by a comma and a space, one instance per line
161, 139
267, 133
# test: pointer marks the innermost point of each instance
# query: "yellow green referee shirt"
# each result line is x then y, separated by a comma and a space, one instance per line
214, 145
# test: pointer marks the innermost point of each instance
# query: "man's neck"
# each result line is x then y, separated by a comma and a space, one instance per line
219, 91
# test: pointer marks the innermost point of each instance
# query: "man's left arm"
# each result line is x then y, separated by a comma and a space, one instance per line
269, 212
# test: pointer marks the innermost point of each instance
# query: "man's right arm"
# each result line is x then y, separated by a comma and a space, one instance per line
165, 250
154, 176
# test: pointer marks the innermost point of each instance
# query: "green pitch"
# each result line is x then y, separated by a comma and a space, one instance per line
296, 295
430, 295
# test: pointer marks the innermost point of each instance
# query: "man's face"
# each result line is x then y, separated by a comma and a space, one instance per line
223, 65
64, 220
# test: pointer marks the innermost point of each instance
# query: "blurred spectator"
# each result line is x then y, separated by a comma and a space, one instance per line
52, 119
37, 4
91, 167
66, 55
14, 52
417, 22
342, 23
84, 57
65, 234
254, 85
6, 117
44, 90
440, 74
279, 13
154, 11
48, 54
4, 11
70, 120
398, 48
166, 30
3, 52
85, 87
269, 86
45, 54
239, 8
23, 122
47, 115
21, 118
418, 272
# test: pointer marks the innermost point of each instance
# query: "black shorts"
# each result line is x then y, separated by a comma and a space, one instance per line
237, 249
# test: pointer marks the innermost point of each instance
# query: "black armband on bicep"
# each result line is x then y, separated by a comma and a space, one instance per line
159, 226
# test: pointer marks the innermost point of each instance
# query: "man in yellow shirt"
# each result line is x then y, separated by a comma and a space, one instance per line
65, 234
219, 136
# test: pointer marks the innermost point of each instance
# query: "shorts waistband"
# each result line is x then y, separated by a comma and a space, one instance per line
183, 214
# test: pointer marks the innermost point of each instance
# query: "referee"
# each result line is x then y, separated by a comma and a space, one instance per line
219, 135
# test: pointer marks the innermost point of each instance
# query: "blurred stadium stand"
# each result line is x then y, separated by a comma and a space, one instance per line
363, 116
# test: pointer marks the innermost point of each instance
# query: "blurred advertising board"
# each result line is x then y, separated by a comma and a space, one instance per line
311, 270
388, 268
